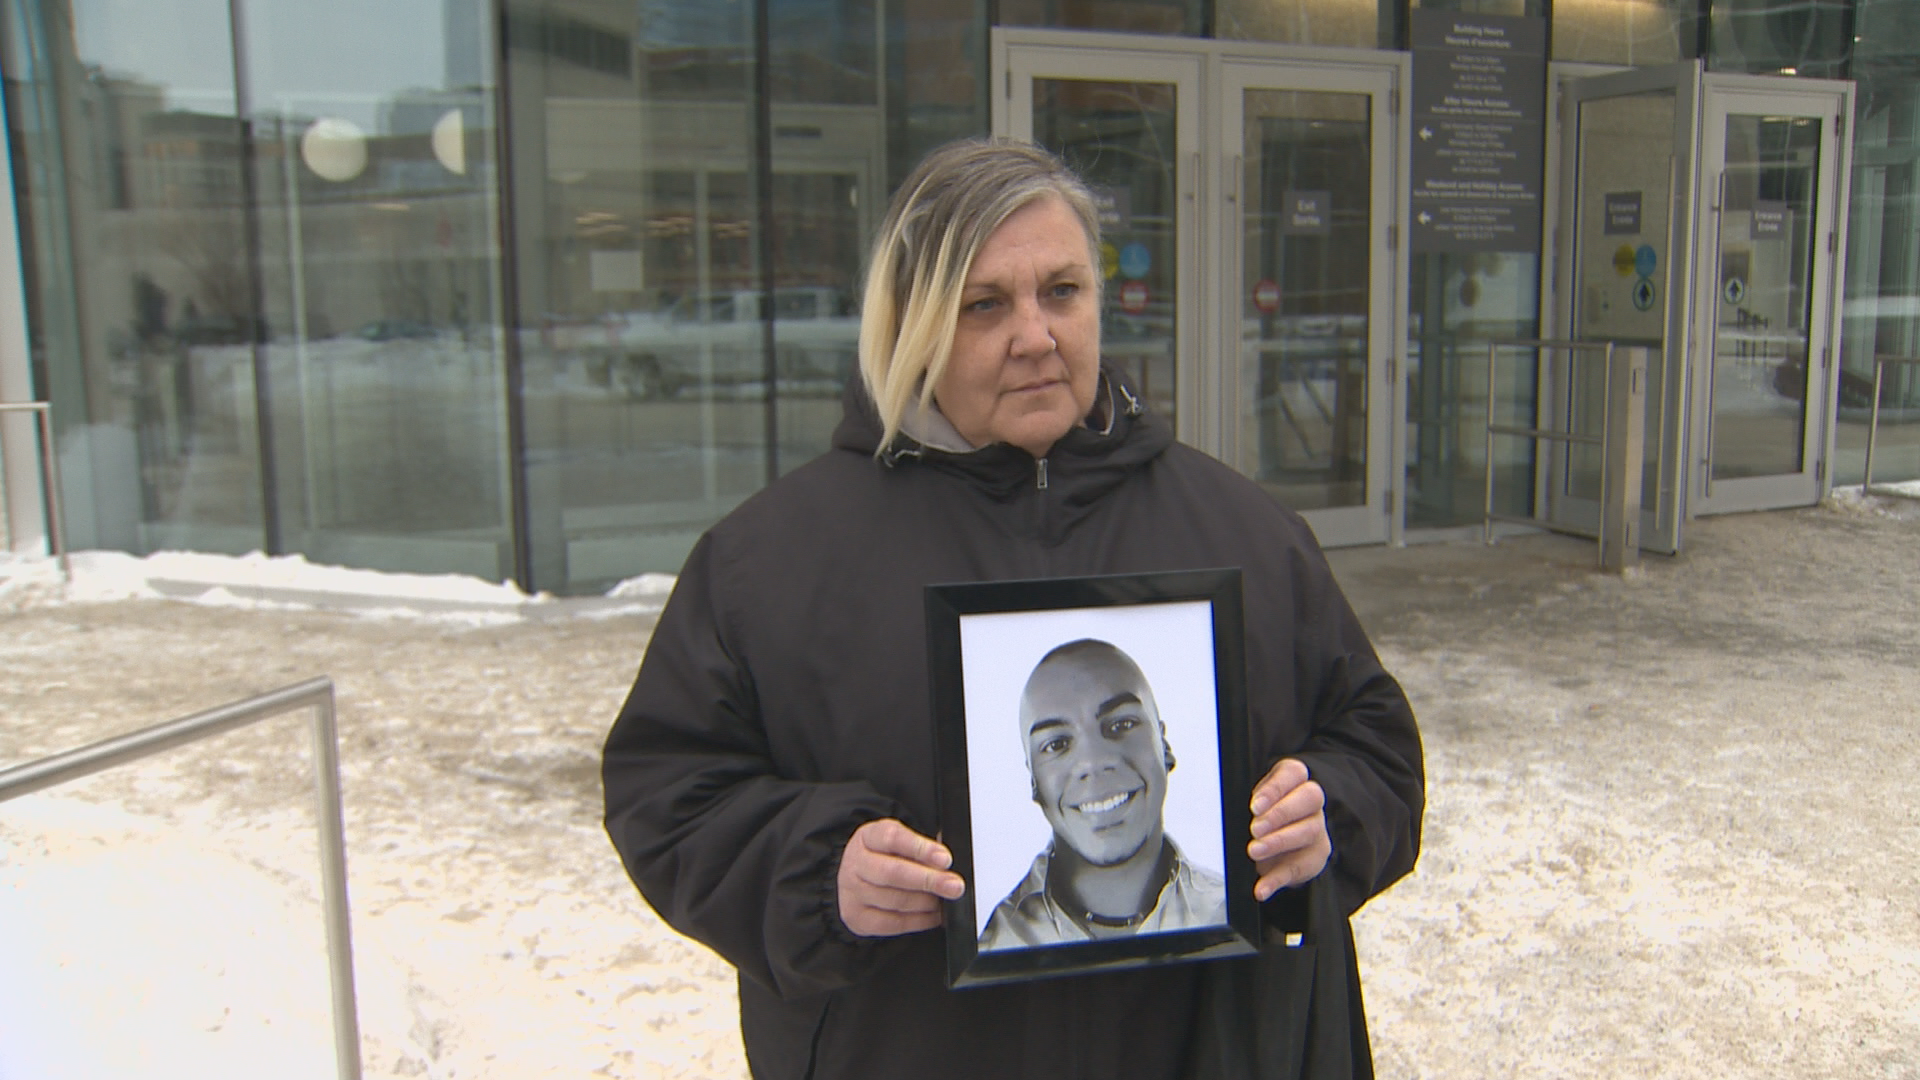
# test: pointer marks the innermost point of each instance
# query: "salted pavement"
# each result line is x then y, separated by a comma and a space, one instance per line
1671, 828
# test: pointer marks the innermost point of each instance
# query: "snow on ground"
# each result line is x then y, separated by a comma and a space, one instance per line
1670, 827
290, 582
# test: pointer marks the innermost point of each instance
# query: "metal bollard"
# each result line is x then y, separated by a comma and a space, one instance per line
1626, 451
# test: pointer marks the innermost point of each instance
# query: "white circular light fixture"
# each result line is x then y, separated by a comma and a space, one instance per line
450, 142
334, 149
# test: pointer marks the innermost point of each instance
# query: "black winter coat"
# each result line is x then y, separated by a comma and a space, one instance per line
783, 702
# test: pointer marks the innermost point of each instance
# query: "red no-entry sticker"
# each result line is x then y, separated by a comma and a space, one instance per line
1133, 297
1266, 296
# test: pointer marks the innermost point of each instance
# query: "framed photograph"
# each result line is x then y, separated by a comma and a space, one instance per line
1094, 772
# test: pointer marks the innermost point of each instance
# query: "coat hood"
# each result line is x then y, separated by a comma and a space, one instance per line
1118, 436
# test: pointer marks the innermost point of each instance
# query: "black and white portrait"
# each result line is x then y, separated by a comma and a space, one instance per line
1093, 747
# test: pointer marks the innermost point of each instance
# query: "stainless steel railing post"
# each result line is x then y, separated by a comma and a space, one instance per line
1621, 439
49, 477
316, 694
1873, 415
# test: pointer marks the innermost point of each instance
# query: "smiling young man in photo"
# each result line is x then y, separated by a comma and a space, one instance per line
1098, 757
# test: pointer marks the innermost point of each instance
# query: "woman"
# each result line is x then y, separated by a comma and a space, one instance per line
770, 781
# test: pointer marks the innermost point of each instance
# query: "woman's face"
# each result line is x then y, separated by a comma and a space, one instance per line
1026, 350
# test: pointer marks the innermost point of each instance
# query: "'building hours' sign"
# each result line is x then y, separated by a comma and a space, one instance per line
1479, 130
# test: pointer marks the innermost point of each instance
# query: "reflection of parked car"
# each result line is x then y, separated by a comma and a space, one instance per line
717, 339
394, 330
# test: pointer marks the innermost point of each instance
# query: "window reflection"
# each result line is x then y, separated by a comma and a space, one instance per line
643, 346
138, 283
1303, 419
1795, 37
1631, 32
1137, 16
380, 278
1881, 315
1359, 24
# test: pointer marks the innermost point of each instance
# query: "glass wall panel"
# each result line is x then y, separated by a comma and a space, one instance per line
935, 89
829, 155
1881, 314
1630, 32
1120, 137
1304, 332
1794, 37
128, 165
1186, 17
380, 274
641, 343
1457, 304
1765, 254
1359, 24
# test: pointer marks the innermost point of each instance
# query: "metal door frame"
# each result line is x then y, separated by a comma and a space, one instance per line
1206, 355
1831, 102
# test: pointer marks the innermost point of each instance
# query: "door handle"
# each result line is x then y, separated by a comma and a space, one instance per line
1712, 334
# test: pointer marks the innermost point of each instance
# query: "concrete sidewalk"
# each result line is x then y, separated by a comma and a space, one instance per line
1671, 827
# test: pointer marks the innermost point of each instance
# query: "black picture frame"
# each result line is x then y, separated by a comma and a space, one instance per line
983, 641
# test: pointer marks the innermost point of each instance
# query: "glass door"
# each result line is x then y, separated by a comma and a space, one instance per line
1251, 212
1626, 191
1136, 142
1774, 160
1307, 290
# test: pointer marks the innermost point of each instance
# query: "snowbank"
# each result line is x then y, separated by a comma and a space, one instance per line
289, 582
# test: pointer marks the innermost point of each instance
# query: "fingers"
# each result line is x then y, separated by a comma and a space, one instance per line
892, 880
1295, 868
1285, 776
1301, 804
895, 857
890, 837
1289, 843
1296, 836
891, 924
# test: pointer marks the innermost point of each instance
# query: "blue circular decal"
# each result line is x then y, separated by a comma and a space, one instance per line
1135, 260
1644, 260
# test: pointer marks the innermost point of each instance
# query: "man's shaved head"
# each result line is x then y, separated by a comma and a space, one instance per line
1096, 749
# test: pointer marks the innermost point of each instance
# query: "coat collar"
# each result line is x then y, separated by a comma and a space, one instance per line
1119, 417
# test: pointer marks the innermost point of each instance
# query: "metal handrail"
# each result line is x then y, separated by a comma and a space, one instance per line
49, 475
1873, 422
315, 693
1605, 349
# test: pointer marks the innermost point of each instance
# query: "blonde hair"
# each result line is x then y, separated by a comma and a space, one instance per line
938, 221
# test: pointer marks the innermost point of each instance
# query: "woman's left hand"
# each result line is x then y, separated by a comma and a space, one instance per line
1290, 843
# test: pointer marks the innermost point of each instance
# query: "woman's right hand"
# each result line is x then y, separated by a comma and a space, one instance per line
892, 880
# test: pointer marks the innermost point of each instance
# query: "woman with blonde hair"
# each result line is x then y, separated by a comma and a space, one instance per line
770, 780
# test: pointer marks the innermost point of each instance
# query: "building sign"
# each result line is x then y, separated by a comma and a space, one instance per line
1623, 213
1307, 213
1769, 219
1479, 131
1115, 207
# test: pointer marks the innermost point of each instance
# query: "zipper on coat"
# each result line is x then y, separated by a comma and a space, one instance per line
1040, 473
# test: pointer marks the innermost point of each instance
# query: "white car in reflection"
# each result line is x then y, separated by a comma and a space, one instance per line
717, 341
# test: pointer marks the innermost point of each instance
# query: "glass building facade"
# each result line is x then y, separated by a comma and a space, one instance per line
537, 290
